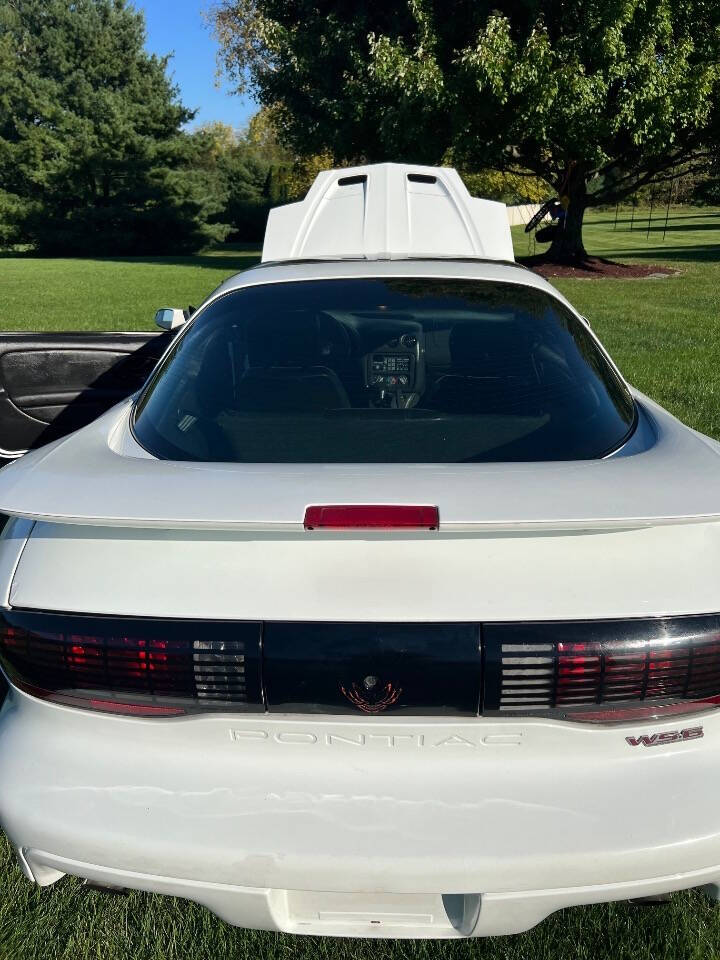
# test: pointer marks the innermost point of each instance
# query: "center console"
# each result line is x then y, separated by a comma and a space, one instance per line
393, 372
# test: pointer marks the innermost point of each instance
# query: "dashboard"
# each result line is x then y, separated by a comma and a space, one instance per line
394, 370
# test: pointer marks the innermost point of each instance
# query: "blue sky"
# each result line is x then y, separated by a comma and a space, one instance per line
177, 26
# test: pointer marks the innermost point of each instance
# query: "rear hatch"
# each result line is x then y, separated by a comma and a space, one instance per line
666, 473
130, 553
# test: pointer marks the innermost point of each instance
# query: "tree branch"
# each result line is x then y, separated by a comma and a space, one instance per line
615, 193
655, 172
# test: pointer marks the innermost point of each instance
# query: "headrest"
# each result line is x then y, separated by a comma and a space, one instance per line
280, 339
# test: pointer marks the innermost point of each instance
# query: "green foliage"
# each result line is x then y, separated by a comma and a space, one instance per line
250, 172
707, 188
291, 174
597, 98
234, 174
12, 212
709, 191
92, 157
510, 188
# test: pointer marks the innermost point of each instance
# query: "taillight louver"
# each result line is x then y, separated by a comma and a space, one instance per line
528, 675
219, 668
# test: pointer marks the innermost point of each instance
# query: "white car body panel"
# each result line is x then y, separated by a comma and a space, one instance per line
380, 211
380, 826
339, 576
82, 479
250, 814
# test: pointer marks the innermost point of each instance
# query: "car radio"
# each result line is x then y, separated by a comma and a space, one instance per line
391, 371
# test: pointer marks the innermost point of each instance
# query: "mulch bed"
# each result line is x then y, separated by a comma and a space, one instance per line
596, 267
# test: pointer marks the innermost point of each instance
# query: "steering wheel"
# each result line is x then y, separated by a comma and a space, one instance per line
335, 336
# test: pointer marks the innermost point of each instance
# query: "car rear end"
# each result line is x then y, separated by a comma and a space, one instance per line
394, 777
442, 689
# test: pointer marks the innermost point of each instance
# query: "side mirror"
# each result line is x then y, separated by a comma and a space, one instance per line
170, 318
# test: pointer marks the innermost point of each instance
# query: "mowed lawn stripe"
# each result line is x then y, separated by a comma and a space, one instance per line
120, 294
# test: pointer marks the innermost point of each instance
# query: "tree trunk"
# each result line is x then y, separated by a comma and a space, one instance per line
568, 243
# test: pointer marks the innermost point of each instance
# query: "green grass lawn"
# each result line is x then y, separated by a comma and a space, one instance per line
120, 294
662, 333
664, 336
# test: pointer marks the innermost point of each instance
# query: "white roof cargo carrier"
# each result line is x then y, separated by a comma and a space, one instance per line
388, 211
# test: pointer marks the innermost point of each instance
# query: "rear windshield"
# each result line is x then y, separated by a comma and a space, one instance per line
384, 371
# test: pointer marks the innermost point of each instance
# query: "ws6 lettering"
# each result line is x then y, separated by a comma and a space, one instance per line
669, 736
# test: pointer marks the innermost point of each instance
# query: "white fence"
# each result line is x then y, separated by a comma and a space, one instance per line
520, 214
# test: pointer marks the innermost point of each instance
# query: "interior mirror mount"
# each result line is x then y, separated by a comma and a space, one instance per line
170, 318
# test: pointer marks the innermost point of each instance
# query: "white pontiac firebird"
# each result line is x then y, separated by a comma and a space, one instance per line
384, 608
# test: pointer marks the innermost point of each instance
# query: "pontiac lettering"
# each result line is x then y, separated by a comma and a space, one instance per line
388, 740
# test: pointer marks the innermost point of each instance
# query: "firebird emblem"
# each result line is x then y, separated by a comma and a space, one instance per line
370, 697
669, 736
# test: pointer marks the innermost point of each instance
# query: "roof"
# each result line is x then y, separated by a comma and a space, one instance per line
385, 211
442, 267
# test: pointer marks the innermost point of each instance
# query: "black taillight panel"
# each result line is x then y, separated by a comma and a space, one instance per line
158, 667
593, 671
372, 668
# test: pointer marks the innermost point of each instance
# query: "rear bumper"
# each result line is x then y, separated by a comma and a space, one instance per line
370, 828
379, 915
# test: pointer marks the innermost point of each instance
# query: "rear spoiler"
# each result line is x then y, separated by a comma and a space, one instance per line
384, 211
98, 476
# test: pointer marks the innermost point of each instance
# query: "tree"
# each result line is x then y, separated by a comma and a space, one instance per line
597, 98
92, 153
236, 169
251, 171
290, 174
510, 188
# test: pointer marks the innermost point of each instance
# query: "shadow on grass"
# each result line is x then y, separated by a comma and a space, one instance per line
232, 258
641, 216
658, 226
657, 253
231, 262
697, 254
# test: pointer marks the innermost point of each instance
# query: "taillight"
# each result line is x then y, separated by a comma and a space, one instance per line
603, 671
371, 517
134, 667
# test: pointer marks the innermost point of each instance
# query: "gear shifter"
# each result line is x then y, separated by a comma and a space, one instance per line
384, 398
